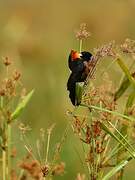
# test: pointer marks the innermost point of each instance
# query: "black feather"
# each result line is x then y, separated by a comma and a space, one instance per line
71, 85
77, 68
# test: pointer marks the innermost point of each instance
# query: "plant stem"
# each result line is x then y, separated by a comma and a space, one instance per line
4, 159
20, 175
4, 163
1, 102
47, 149
9, 149
80, 45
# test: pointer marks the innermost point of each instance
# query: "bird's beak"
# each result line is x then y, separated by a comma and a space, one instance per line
80, 55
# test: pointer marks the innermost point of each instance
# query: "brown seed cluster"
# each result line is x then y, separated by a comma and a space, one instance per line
99, 53
9, 85
80, 176
16, 75
7, 61
8, 91
7, 88
105, 50
101, 95
128, 46
82, 33
45, 170
36, 171
33, 169
78, 125
58, 169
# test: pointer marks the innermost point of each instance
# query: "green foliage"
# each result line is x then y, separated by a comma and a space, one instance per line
122, 140
79, 91
107, 130
117, 168
126, 71
98, 108
123, 87
21, 106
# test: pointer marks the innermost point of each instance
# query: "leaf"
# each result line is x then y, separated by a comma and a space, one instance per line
126, 71
21, 105
109, 111
78, 92
114, 151
117, 168
122, 137
127, 128
130, 101
124, 85
105, 128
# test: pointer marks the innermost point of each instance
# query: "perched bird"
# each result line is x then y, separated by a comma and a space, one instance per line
78, 64
75, 60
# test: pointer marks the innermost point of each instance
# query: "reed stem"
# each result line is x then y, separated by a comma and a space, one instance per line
9, 149
80, 45
4, 164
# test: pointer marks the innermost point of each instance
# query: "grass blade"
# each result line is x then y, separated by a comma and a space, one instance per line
105, 128
117, 168
113, 152
130, 101
124, 85
122, 137
109, 111
126, 71
21, 105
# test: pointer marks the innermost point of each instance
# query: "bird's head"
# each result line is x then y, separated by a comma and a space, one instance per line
75, 55
86, 56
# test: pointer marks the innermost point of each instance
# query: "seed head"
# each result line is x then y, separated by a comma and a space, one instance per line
81, 176
49, 130
24, 128
105, 50
7, 61
45, 170
16, 75
2, 92
82, 33
33, 169
128, 46
58, 169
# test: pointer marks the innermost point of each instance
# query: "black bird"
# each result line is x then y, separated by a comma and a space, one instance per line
75, 60
78, 64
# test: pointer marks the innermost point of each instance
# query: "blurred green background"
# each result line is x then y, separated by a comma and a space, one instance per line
38, 36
